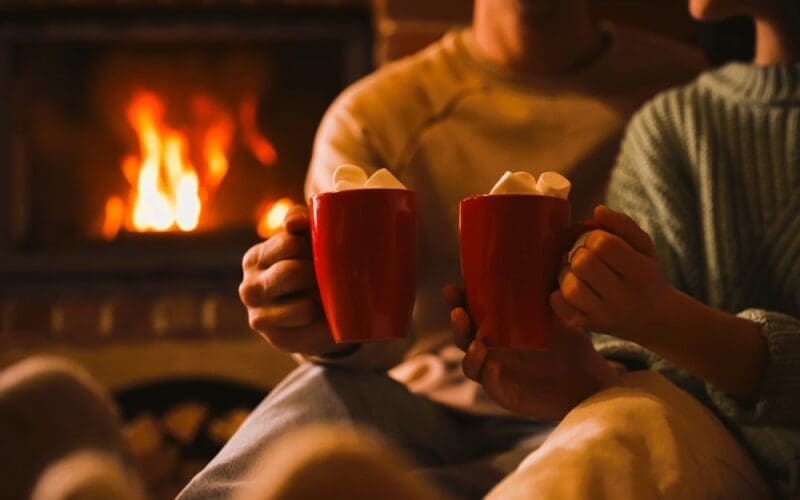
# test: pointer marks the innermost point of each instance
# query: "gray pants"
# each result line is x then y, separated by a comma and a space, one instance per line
464, 454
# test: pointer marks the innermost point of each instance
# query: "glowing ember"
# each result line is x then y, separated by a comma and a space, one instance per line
272, 219
115, 214
167, 190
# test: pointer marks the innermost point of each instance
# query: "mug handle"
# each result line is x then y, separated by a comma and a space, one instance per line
572, 233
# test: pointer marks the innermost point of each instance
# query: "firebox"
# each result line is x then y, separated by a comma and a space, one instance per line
152, 145
144, 146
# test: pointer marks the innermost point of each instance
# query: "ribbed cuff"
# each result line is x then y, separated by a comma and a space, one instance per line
778, 402
630, 354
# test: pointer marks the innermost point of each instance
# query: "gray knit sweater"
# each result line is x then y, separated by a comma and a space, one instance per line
712, 172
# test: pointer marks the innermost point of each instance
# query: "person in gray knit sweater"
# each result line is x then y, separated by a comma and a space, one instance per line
694, 272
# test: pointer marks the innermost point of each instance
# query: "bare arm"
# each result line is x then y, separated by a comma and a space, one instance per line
614, 284
728, 351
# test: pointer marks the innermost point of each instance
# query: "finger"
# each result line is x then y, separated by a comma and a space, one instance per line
579, 295
566, 313
618, 255
312, 340
593, 271
279, 247
462, 327
453, 295
287, 277
251, 292
296, 220
626, 228
296, 312
474, 360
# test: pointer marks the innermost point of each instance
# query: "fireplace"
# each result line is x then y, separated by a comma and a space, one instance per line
146, 146
153, 145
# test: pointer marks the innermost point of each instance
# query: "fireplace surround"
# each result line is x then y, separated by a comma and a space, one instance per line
99, 93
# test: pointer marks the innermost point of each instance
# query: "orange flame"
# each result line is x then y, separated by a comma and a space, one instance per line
271, 220
259, 145
166, 189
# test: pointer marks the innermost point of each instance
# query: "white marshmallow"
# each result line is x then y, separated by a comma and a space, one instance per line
515, 183
345, 185
553, 184
383, 179
350, 173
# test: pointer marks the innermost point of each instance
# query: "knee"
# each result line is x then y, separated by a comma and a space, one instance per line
316, 392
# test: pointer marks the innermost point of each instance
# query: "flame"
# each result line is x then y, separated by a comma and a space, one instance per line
115, 214
167, 191
259, 145
272, 219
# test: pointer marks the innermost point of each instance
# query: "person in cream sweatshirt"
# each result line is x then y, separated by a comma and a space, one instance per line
532, 86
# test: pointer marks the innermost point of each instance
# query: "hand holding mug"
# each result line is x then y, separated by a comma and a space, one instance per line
280, 290
541, 384
613, 282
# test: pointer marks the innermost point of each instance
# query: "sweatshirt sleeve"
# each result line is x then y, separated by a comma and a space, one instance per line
778, 401
341, 139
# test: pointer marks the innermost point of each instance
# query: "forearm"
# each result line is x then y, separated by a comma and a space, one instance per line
723, 349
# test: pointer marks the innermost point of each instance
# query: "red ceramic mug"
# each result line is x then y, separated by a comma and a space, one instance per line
512, 247
365, 247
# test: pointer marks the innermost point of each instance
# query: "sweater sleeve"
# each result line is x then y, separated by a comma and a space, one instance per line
650, 182
778, 402
654, 183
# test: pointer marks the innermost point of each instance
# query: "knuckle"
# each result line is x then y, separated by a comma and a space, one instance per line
259, 322
250, 259
469, 369
581, 260
571, 288
281, 341
287, 276
601, 243
292, 246
249, 293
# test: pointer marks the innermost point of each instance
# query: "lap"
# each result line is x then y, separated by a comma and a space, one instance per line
644, 438
434, 437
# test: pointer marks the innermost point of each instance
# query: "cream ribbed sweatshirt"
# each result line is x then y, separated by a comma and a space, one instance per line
712, 172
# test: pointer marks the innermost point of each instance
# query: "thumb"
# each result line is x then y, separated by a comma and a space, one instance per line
296, 220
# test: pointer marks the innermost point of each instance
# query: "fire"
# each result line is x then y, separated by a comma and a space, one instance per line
258, 144
272, 219
167, 190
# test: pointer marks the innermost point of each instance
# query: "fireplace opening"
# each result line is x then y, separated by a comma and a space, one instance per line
160, 142
144, 146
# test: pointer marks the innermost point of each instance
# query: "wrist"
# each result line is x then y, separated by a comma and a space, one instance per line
663, 307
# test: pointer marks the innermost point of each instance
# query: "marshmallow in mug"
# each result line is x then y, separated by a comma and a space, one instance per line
348, 177
549, 184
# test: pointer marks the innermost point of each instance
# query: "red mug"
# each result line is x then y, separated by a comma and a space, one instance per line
512, 246
364, 243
